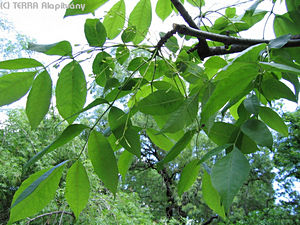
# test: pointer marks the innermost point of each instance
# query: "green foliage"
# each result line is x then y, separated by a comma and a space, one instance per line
154, 107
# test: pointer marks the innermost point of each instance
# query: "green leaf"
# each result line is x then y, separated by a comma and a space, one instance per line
278, 67
128, 34
161, 102
160, 140
274, 89
103, 160
124, 163
163, 9
183, 116
252, 104
67, 135
283, 25
188, 176
222, 133
280, 41
213, 64
35, 193
171, 43
14, 86
258, 132
293, 78
62, 48
230, 12
122, 54
77, 188
177, 148
21, 63
213, 152
273, 120
39, 99
211, 196
232, 81
140, 18
114, 20
83, 7
228, 175
245, 144
103, 66
70, 91
95, 32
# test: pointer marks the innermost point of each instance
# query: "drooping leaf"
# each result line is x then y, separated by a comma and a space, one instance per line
114, 20
177, 148
95, 32
70, 91
188, 176
77, 188
273, 120
279, 67
211, 196
293, 78
22, 63
103, 160
252, 104
258, 132
274, 89
160, 140
62, 48
183, 116
228, 175
161, 102
67, 135
14, 86
140, 18
78, 7
39, 99
124, 163
35, 193
163, 9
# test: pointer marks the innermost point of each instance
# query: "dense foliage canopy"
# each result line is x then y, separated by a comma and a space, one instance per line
158, 100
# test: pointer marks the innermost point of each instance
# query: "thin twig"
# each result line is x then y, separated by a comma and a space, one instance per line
50, 214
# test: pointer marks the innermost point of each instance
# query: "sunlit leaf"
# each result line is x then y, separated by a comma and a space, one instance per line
62, 48
20, 63
163, 9
70, 91
103, 160
77, 188
14, 86
95, 32
39, 98
78, 7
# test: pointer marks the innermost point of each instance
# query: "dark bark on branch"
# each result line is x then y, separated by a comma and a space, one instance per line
50, 214
210, 220
203, 48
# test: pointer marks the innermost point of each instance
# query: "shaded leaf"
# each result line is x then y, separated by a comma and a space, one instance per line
228, 175
252, 104
258, 132
278, 67
280, 41
122, 54
213, 152
128, 34
62, 48
95, 32
124, 163
273, 120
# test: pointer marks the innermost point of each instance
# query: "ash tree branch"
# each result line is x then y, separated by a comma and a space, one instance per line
202, 45
50, 214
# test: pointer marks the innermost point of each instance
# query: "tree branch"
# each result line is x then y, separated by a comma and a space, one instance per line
210, 220
50, 214
186, 16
